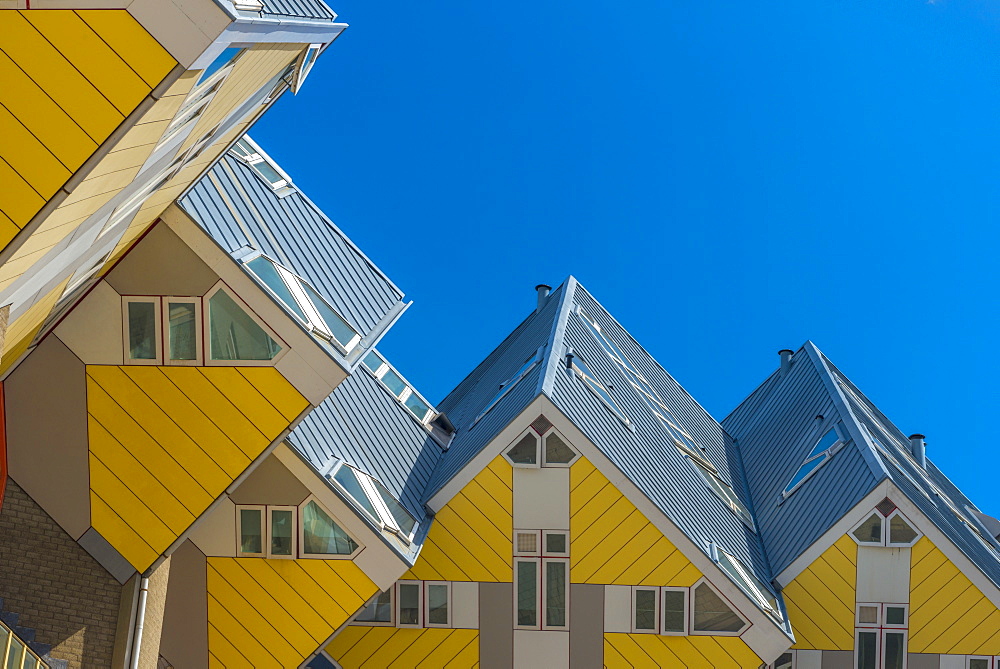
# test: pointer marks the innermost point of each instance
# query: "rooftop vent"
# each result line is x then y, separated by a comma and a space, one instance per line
919, 449
543, 295
786, 360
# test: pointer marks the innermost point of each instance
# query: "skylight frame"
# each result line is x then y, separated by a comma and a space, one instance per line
599, 390
509, 384
823, 457
740, 574
384, 517
247, 150
406, 394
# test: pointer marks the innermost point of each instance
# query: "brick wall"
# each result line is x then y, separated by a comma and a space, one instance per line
57, 588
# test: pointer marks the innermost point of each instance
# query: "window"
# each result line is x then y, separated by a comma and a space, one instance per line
785, 661
248, 150
556, 452
408, 607
376, 500
881, 636
712, 614
886, 526
507, 385
750, 584
234, 334
306, 61
410, 604
545, 449
584, 374
675, 606
182, 330
979, 662
378, 611
541, 579
306, 531
721, 488
142, 330
438, 604
645, 610
223, 60
831, 442
399, 388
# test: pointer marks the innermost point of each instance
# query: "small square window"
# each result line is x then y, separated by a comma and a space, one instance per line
526, 542
556, 542
868, 614
895, 615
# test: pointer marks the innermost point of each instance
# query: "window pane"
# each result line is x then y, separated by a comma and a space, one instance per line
437, 604
250, 531
227, 56
868, 615
234, 335
871, 530
403, 519
183, 330
828, 440
16, 653
711, 614
556, 450
267, 273
555, 594
645, 609
270, 174
282, 527
784, 662
900, 532
867, 650
321, 535
347, 477
895, 615
392, 381
527, 593
379, 611
373, 361
339, 328
894, 648
804, 471
320, 662
527, 542
525, 452
142, 330
417, 406
409, 604
555, 543
673, 611
979, 664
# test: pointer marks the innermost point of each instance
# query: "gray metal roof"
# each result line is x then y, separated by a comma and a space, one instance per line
298, 9
241, 211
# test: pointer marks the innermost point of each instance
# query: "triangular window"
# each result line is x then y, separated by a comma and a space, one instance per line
234, 334
831, 442
306, 63
525, 451
557, 451
321, 535
712, 613
870, 531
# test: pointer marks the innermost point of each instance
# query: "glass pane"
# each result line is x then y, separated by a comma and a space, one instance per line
282, 526
673, 611
16, 653
142, 330
555, 544
242, 149
437, 604
183, 330
900, 532
373, 361
711, 614
266, 272
645, 609
867, 650
3, 640
392, 381
871, 530
227, 56
320, 662
979, 664
828, 440
894, 649
804, 471
417, 406
234, 335
251, 533
403, 519
525, 452
348, 478
270, 174
895, 615
527, 542
409, 604
339, 328
527, 593
784, 662
321, 535
379, 611
556, 450
868, 615
555, 594
592, 381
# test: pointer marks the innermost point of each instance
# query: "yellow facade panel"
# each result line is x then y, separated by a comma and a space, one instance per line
283, 396
131, 42
119, 534
249, 400
29, 157
652, 650
18, 200
360, 646
7, 231
131, 508
821, 600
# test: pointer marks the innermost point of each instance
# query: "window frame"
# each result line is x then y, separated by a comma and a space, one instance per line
543, 460
887, 533
687, 607
426, 602
857, 526
657, 603
271, 508
207, 331
583, 373
881, 629
538, 592
199, 330
398, 602
383, 518
691, 611
304, 65
302, 531
264, 536
990, 663
538, 543
823, 456
392, 610
158, 328
408, 391
508, 385
517, 440
543, 546
543, 574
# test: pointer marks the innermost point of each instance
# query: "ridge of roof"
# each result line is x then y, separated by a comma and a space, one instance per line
550, 361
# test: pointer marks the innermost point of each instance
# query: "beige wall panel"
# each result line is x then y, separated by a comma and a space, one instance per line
883, 574
165, 108
178, 33
465, 605
270, 483
617, 608
130, 156
162, 264
808, 659
184, 641
152, 629
93, 329
586, 634
306, 379
46, 407
541, 498
142, 134
541, 650
496, 618
107, 183
215, 533
952, 661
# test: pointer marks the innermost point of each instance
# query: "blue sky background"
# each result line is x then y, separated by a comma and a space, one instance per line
727, 178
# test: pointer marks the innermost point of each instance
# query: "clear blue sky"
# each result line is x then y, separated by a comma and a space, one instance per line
728, 178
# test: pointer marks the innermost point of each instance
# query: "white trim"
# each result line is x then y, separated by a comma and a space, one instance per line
826, 454
294, 538
538, 450
544, 545
882, 529
374, 623
887, 533
207, 331
263, 527
655, 629
543, 461
427, 603
158, 328
420, 604
302, 532
199, 331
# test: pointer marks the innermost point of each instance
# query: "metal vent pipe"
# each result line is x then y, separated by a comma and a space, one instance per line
919, 449
543, 295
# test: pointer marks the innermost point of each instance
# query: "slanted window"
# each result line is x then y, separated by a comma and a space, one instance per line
712, 614
750, 584
721, 488
869, 531
557, 453
584, 374
524, 452
378, 611
881, 635
509, 384
541, 579
886, 526
142, 330
535, 449
828, 444
320, 535
234, 334
376, 500
222, 61
306, 61
399, 388
785, 661
261, 163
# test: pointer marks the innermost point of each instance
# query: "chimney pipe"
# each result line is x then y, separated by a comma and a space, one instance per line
786, 360
919, 449
543, 295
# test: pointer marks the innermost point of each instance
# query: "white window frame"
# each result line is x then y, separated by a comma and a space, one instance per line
302, 532
657, 603
880, 628
392, 611
420, 604
990, 664
539, 612
158, 328
543, 462
687, 609
295, 535
304, 65
592, 383
543, 546
538, 543
791, 653
255, 156
887, 536
826, 455
384, 517
408, 390
543, 579
207, 331
199, 330
885, 525
538, 450
264, 537
739, 614
426, 602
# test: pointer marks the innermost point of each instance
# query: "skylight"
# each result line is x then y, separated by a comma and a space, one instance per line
831, 442
583, 372
507, 385
375, 500
398, 387
262, 164
750, 584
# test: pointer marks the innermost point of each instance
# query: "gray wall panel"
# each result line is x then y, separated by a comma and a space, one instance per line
586, 626
496, 625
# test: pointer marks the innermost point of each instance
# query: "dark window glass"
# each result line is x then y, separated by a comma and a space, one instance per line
437, 604
556, 450
379, 611
870, 530
867, 650
527, 593
282, 528
525, 452
409, 604
673, 611
894, 650
555, 594
711, 614
142, 330
645, 609
251, 534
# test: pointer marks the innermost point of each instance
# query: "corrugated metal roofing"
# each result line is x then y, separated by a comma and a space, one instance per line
300, 9
240, 210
